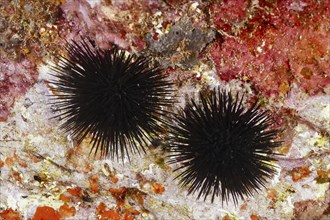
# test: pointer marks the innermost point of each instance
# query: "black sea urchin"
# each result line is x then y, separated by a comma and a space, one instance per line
115, 99
222, 148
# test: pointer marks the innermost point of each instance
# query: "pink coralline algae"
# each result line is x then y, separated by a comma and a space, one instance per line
273, 45
15, 79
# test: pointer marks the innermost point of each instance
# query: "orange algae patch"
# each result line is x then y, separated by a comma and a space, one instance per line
114, 179
323, 176
100, 208
128, 216
46, 213
65, 198
94, 185
9, 161
10, 214
107, 214
254, 217
119, 195
74, 191
16, 176
2, 164
66, 211
137, 195
22, 163
155, 187
19, 160
123, 211
272, 195
284, 149
34, 158
15, 155
158, 188
243, 207
110, 214
299, 173
87, 167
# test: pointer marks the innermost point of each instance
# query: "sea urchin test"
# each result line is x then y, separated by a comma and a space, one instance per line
223, 149
114, 98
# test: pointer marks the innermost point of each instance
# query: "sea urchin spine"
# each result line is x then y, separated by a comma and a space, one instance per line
223, 149
115, 99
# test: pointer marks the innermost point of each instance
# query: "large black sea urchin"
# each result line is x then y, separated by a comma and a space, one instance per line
114, 98
223, 149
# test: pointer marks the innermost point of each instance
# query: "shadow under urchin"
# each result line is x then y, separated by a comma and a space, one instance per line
223, 149
116, 99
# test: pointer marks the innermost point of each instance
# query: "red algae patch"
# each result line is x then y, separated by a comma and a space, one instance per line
28, 34
272, 44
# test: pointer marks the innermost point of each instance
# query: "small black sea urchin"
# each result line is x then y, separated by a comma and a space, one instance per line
117, 100
222, 148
